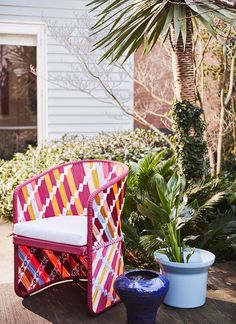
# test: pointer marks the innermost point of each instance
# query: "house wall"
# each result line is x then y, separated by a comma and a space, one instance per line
154, 72
69, 111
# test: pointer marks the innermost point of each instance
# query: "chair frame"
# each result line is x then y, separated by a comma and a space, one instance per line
95, 252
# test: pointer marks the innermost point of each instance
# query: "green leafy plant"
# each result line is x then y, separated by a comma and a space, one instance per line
212, 202
219, 235
139, 182
168, 214
213, 225
189, 141
216, 219
138, 189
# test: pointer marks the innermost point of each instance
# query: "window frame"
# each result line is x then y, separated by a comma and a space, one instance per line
39, 30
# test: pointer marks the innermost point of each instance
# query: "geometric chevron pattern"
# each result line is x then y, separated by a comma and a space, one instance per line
107, 265
64, 190
93, 188
37, 267
107, 207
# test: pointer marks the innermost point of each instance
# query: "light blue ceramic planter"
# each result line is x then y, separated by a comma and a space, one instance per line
188, 281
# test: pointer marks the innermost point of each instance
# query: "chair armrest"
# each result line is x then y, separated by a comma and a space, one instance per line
105, 207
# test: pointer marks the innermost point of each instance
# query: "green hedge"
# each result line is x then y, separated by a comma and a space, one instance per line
124, 146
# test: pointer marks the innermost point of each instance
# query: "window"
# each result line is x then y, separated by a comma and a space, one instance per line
22, 90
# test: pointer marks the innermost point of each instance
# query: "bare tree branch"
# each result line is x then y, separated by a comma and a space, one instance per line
154, 96
87, 76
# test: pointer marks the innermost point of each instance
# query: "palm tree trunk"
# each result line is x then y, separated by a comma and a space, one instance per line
182, 62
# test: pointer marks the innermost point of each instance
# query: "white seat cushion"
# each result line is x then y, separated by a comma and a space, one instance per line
61, 229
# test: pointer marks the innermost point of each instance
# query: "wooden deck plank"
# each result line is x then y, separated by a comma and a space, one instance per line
66, 303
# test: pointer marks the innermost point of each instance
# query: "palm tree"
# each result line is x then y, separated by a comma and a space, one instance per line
132, 23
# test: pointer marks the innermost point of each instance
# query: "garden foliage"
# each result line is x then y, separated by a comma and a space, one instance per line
214, 222
169, 212
138, 189
210, 205
123, 146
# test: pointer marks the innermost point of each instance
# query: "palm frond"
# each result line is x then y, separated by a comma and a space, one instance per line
207, 187
214, 202
151, 243
148, 167
129, 24
131, 234
132, 178
167, 167
219, 231
135, 253
138, 22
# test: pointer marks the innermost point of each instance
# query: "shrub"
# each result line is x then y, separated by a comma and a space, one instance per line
213, 202
139, 187
216, 222
123, 146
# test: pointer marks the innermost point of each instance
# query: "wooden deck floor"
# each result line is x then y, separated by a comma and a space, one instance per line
65, 303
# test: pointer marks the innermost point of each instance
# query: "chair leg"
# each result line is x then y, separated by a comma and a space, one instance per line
19, 290
105, 264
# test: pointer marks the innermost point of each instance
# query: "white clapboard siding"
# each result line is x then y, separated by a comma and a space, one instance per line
83, 120
70, 110
90, 127
82, 110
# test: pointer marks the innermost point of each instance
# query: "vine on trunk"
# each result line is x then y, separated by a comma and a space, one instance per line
191, 149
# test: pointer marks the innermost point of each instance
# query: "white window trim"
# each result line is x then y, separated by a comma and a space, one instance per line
39, 30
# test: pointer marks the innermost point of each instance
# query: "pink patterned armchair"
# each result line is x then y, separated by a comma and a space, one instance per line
67, 225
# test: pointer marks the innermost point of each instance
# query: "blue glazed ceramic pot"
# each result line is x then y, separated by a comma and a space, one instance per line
142, 292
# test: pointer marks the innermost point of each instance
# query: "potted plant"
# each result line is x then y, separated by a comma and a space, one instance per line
185, 267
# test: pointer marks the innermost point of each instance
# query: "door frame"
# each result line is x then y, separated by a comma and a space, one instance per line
39, 30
